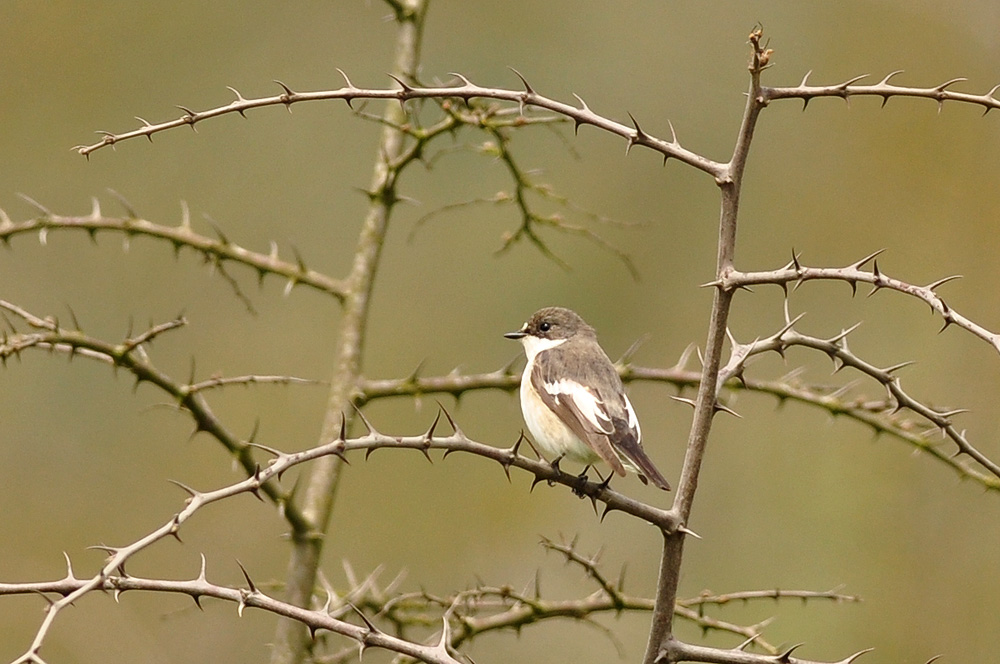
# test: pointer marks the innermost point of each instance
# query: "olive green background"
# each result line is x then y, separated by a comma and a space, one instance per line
789, 498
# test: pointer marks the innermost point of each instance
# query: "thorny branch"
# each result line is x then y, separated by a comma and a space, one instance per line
269, 474
355, 291
467, 90
131, 355
796, 274
837, 349
881, 415
215, 251
470, 613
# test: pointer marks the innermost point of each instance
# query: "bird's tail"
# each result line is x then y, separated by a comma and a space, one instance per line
641, 463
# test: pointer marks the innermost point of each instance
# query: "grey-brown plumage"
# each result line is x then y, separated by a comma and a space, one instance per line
573, 400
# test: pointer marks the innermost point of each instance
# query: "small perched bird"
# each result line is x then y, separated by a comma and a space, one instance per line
573, 400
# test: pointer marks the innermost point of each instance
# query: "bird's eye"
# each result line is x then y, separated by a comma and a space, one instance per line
545, 326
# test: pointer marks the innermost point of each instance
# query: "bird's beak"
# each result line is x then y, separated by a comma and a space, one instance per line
520, 334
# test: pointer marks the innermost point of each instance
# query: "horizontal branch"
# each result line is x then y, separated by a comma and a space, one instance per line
215, 250
853, 274
883, 89
678, 651
877, 414
473, 612
836, 348
246, 597
130, 355
582, 115
266, 475
942, 420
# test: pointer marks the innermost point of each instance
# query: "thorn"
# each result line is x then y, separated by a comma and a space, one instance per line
786, 656
246, 576
364, 420
175, 525
843, 333
129, 210
239, 100
350, 86
190, 117
689, 402
347, 80
41, 208
632, 140
726, 409
891, 74
185, 487
953, 81
861, 263
299, 261
368, 623
896, 367
859, 653
406, 87
688, 531
939, 282
429, 434
69, 567
794, 264
527, 88
223, 240
451, 422
639, 133
286, 98
583, 107
465, 81
843, 86
743, 646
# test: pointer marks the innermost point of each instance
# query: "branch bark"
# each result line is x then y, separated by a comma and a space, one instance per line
292, 640
661, 631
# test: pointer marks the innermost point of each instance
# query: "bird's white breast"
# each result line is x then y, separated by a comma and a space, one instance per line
548, 432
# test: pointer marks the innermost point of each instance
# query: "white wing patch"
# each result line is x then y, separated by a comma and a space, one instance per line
586, 402
633, 421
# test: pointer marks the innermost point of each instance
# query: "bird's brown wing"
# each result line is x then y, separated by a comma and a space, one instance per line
580, 410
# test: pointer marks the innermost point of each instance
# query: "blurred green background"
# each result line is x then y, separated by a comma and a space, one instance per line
789, 498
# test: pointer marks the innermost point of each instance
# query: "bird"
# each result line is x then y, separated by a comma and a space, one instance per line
572, 397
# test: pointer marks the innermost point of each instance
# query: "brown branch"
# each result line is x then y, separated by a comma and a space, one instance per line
214, 250
130, 355
292, 642
251, 596
582, 115
795, 273
883, 89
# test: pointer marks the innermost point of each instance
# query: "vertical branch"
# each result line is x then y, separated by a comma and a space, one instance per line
292, 640
661, 630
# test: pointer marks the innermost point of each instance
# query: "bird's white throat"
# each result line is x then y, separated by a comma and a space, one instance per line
534, 345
